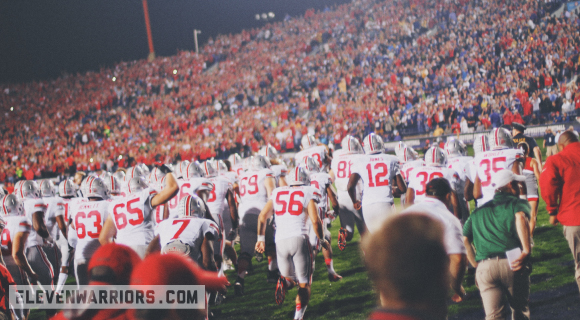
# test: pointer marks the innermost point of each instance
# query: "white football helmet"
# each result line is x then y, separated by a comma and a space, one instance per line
269, 152
98, 189
17, 186
260, 162
308, 141
373, 144
67, 189
399, 149
137, 184
182, 169
28, 190
2, 193
222, 167
193, 170
191, 206
144, 169
11, 206
298, 176
235, 160
47, 189
407, 154
351, 144
209, 169
500, 138
455, 148
176, 247
120, 175
85, 185
435, 156
311, 165
133, 172
113, 184
247, 163
156, 176
480, 143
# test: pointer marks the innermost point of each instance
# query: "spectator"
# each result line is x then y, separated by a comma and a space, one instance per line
438, 131
496, 228
550, 143
560, 186
409, 268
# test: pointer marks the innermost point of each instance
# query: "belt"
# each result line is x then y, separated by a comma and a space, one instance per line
496, 256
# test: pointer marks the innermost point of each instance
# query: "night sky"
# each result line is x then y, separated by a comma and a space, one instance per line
40, 39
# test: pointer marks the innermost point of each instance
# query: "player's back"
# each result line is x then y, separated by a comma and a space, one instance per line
253, 192
189, 230
89, 218
55, 207
377, 172
133, 218
321, 180
14, 225
410, 165
279, 170
215, 202
341, 166
30, 207
461, 165
419, 177
488, 163
290, 208
318, 153
186, 187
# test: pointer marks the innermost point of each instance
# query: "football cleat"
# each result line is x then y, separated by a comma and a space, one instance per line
342, 239
280, 293
239, 287
272, 276
334, 277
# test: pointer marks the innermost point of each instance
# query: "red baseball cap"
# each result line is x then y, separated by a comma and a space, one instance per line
175, 269
119, 258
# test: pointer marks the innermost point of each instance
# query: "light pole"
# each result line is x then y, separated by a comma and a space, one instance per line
195, 32
148, 26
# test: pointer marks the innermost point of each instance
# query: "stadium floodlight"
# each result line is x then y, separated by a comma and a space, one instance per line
114, 79
174, 71
257, 16
11, 108
264, 16
271, 15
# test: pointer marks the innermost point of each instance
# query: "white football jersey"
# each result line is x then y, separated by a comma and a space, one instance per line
88, 219
55, 207
488, 163
238, 169
253, 192
186, 187
290, 209
377, 172
341, 166
320, 181
30, 207
461, 165
217, 197
189, 230
319, 154
230, 175
279, 170
14, 225
408, 166
419, 177
133, 217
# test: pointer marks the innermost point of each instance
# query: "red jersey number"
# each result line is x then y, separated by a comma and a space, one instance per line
488, 166
293, 206
379, 176
121, 219
425, 178
82, 231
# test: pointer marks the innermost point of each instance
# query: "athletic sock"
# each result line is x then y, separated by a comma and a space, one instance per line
329, 265
299, 314
272, 264
242, 274
61, 281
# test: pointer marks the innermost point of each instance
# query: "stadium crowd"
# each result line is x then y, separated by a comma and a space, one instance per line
396, 68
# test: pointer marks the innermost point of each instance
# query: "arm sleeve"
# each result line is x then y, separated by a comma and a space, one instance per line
209, 227
59, 211
523, 206
453, 239
551, 185
467, 228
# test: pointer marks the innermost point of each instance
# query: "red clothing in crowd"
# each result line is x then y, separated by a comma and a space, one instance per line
6, 280
560, 185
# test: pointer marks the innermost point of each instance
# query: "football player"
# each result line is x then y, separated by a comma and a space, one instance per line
131, 221
340, 171
55, 223
531, 171
293, 205
380, 175
480, 144
194, 182
277, 165
501, 156
236, 164
435, 166
67, 192
311, 148
408, 160
230, 223
458, 160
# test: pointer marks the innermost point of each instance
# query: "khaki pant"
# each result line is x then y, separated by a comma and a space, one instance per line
572, 234
496, 282
551, 150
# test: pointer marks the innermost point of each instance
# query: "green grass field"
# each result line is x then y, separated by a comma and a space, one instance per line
353, 297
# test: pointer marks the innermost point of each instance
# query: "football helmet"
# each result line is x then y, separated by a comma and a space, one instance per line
308, 141
47, 188
373, 144
17, 186
222, 167
11, 206
500, 138
67, 188
407, 154
176, 246
455, 148
28, 189
113, 185
269, 152
85, 185
194, 170
135, 171
156, 176
137, 184
399, 149
298, 176
120, 175
144, 169
209, 169
480, 143
311, 165
2, 193
435, 156
260, 162
235, 160
351, 144
191, 206
182, 169
98, 189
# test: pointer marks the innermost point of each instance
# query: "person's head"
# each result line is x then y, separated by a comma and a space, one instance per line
566, 138
505, 181
439, 188
112, 264
408, 263
517, 128
548, 131
79, 177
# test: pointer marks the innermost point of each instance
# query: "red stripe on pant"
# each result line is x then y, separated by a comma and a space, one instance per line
47, 263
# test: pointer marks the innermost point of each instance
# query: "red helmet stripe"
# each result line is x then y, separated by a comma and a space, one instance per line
496, 137
434, 153
405, 154
188, 206
4, 204
371, 142
483, 143
348, 141
64, 187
